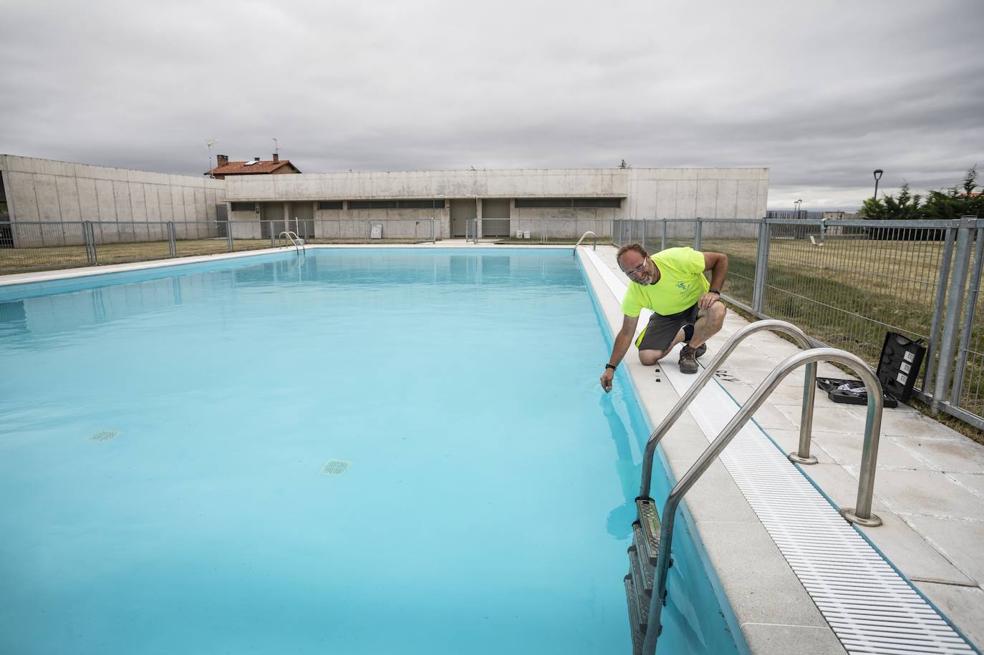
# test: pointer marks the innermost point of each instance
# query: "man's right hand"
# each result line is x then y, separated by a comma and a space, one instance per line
606, 379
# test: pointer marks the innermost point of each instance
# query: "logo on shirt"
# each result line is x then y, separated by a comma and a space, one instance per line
681, 285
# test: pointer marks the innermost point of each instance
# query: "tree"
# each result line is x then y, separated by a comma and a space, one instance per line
890, 208
946, 204
956, 201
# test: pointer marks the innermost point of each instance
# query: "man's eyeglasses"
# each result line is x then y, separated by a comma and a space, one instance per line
637, 270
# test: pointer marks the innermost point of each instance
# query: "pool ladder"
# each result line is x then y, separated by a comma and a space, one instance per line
293, 239
650, 553
594, 241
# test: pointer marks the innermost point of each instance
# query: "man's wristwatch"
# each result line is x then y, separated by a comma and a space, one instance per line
717, 291
611, 366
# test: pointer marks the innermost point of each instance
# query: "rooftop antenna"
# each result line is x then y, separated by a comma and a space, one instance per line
210, 143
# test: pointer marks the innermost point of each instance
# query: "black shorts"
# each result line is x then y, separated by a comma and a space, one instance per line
660, 331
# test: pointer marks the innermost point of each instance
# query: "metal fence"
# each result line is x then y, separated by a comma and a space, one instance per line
847, 283
44, 245
33, 246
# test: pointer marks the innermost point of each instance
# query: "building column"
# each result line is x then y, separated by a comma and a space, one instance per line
478, 218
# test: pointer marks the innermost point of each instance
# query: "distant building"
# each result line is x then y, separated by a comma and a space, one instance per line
259, 199
255, 166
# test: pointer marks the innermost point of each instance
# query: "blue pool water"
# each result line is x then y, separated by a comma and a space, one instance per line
363, 451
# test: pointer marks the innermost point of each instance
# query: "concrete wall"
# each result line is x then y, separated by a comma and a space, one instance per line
431, 184
683, 193
53, 191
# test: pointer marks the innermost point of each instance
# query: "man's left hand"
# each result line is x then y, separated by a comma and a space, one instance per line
707, 300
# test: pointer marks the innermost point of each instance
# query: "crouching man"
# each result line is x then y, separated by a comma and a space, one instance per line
685, 306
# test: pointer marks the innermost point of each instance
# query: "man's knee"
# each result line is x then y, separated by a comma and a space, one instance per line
714, 315
650, 357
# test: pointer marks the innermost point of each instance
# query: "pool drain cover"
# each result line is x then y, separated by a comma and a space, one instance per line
105, 435
334, 467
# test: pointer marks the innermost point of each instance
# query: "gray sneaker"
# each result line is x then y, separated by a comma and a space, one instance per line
688, 360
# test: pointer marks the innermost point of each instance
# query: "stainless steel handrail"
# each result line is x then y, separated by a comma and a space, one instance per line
292, 237
806, 420
862, 514
594, 241
473, 237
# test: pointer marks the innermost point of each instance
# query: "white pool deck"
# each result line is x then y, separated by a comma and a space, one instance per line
929, 486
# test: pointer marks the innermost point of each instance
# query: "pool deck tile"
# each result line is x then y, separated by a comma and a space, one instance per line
778, 638
966, 602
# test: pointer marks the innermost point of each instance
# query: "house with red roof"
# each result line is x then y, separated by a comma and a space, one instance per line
255, 166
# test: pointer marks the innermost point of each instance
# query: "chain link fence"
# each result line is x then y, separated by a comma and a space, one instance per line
39, 245
847, 283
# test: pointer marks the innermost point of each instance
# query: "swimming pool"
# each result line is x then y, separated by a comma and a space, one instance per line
358, 451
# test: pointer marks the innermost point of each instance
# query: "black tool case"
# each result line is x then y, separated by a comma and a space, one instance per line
898, 368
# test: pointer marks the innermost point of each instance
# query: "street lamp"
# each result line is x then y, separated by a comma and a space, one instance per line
877, 173
798, 203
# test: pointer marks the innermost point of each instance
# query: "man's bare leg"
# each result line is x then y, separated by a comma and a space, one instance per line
709, 322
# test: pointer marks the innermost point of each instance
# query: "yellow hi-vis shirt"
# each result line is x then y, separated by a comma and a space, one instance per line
681, 284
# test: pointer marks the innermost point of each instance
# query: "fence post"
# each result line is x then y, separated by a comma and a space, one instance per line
662, 239
90, 242
171, 245
761, 269
968, 325
959, 279
643, 242
229, 236
934, 330
698, 234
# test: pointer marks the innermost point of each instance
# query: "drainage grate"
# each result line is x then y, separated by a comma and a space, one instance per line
105, 435
334, 467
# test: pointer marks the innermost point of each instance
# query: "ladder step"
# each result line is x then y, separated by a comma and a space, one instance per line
637, 631
642, 544
642, 574
637, 628
649, 521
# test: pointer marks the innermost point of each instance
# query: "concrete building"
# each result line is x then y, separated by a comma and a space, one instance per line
407, 204
550, 202
50, 199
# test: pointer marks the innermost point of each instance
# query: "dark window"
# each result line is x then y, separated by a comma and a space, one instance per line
329, 204
243, 206
372, 204
435, 203
598, 202
568, 202
430, 203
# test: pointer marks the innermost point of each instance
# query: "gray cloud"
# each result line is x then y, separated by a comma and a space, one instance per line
820, 94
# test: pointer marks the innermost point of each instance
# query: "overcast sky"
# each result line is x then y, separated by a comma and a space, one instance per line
821, 93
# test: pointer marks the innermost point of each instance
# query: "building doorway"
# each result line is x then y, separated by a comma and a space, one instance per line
462, 211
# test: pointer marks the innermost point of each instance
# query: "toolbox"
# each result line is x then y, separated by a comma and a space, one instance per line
898, 368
